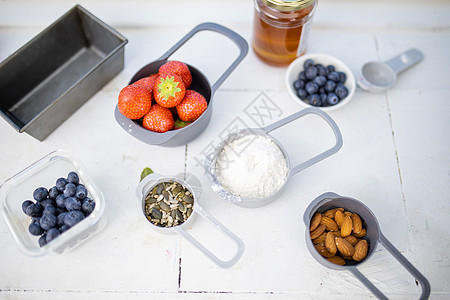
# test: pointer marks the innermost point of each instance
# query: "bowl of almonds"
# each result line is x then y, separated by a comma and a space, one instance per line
342, 233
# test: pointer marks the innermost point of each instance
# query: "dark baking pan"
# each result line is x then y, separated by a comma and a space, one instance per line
50, 77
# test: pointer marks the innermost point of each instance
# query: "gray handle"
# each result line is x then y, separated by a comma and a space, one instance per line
425, 285
321, 156
236, 38
405, 60
218, 226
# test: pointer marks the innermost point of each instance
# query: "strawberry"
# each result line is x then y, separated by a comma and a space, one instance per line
192, 106
134, 101
158, 119
148, 82
169, 90
177, 68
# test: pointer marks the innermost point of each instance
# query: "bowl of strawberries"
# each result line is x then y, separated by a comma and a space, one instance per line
169, 102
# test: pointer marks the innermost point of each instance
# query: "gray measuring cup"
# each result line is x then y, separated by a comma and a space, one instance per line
193, 185
374, 236
379, 76
200, 84
211, 159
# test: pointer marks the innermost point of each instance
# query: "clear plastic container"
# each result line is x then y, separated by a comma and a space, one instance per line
44, 173
281, 29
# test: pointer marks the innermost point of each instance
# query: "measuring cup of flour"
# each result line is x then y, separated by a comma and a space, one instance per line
156, 203
250, 168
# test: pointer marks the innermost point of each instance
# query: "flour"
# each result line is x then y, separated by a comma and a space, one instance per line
251, 166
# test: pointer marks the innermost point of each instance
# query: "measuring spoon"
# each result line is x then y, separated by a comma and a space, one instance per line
378, 76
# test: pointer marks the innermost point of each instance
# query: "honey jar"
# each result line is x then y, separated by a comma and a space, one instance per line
281, 29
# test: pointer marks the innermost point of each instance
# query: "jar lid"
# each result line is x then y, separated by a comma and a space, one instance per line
288, 5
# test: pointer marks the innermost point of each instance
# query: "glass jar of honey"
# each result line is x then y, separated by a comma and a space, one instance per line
281, 29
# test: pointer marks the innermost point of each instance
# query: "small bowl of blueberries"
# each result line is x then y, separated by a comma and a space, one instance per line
52, 205
320, 80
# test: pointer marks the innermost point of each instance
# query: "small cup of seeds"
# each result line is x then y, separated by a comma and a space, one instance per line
170, 204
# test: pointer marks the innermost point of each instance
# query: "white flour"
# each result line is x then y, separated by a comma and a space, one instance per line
251, 166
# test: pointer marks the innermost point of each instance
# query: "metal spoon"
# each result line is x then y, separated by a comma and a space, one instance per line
378, 76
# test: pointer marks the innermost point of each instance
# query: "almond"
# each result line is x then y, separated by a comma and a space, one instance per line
361, 249
352, 239
336, 233
346, 226
323, 251
329, 242
347, 213
315, 221
339, 217
357, 224
329, 223
361, 234
344, 247
318, 231
336, 260
320, 239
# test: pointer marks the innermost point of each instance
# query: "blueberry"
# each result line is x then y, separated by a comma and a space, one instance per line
311, 87
302, 94
53, 192
73, 217
48, 221
63, 228
298, 84
70, 189
330, 86
61, 200
88, 205
320, 80
73, 178
322, 90
42, 240
52, 234
342, 77
332, 99
314, 100
60, 184
334, 76
341, 91
35, 228
34, 210
41, 193
25, 204
311, 72
322, 70
308, 63
81, 192
60, 219
331, 68
49, 210
72, 203
302, 76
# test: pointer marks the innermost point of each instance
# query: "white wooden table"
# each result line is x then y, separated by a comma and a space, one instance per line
395, 158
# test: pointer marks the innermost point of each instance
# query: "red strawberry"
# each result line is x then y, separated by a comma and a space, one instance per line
134, 101
158, 119
169, 90
148, 82
177, 68
192, 106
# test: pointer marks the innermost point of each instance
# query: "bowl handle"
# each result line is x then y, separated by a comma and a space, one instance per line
236, 38
425, 285
321, 156
222, 263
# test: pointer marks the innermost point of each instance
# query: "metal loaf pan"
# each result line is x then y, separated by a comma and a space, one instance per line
50, 77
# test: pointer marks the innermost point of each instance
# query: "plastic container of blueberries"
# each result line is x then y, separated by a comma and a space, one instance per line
45, 172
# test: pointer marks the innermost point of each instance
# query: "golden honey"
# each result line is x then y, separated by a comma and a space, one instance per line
281, 29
